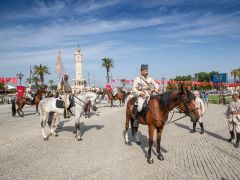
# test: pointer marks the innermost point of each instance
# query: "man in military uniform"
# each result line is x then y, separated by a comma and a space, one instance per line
233, 116
65, 88
114, 91
29, 92
201, 109
142, 88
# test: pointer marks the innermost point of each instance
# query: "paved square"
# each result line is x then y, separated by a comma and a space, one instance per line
103, 155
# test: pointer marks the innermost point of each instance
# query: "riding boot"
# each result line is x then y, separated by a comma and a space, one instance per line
194, 127
238, 139
232, 136
135, 117
202, 129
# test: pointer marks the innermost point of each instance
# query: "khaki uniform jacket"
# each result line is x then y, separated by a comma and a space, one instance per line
67, 88
233, 111
200, 105
142, 84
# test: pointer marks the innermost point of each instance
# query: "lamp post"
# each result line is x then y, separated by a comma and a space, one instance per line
20, 76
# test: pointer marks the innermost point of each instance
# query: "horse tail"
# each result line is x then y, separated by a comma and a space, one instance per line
14, 108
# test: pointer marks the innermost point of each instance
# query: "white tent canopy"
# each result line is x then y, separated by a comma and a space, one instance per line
10, 87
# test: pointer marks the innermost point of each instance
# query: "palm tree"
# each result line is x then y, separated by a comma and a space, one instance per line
108, 64
35, 79
51, 83
235, 73
40, 71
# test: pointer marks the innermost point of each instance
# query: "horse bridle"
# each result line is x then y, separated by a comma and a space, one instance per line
185, 103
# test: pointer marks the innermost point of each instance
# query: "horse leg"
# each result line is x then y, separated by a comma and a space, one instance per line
55, 124
137, 137
128, 117
37, 113
43, 120
77, 125
150, 132
159, 134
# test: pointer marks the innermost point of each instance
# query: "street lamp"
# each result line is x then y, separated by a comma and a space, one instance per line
20, 76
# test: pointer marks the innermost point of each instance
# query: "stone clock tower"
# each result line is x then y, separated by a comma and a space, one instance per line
79, 82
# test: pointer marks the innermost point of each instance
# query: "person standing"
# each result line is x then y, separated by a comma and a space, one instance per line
233, 116
201, 109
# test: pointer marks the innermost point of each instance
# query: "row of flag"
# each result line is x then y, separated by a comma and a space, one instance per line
172, 82
7, 80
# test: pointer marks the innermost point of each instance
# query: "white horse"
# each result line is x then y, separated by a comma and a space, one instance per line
50, 113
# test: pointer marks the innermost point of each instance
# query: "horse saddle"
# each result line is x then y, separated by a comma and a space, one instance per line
59, 103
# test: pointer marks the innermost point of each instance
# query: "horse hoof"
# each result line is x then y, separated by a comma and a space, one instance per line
138, 143
56, 135
160, 157
37, 114
79, 139
45, 139
150, 161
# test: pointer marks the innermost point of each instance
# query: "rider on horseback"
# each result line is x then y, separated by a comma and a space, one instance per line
29, 92
142, 87
65, 88
114, 91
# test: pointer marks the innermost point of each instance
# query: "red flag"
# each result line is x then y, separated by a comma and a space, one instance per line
14, 80
20, 91
1, 80
7, 80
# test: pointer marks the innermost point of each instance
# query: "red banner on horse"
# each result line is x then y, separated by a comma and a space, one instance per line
20, 91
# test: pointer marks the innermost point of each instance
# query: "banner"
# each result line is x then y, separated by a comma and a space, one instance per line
108, 87
20, 91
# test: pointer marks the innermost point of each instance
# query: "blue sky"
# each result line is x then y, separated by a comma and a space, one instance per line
177, 37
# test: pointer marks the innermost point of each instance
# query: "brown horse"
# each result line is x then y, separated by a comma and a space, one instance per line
155, 115
21, 101
120, 96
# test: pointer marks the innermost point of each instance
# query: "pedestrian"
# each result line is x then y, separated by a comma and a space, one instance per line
200, 105
233, 116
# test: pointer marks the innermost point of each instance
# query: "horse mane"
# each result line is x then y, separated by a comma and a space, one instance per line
165, 99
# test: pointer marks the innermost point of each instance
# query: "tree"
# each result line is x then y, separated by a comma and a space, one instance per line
183, 78
108, 64
51, 83
35, 79
40, 71
235, 73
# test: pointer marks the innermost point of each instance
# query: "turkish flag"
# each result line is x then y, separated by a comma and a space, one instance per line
14, 80
20, 91
1, 80
7, 80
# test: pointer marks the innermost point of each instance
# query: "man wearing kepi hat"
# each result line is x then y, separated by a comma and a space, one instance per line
201, 109
142, 87
233, 116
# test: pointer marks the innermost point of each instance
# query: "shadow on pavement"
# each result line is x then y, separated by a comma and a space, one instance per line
83, 128
205, 131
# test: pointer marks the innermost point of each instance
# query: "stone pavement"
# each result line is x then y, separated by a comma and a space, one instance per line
103, 155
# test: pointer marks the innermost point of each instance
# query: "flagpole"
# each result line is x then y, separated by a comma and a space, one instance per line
30, 76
